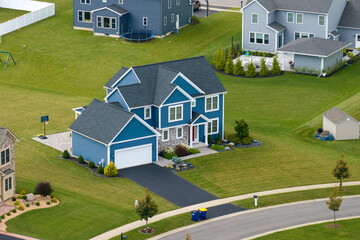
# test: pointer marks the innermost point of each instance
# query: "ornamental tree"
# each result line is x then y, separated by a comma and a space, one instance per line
43, 188
241, 129
276, 70
251, 70
341, 170
146, 208
238, 68
264, 71
335, 201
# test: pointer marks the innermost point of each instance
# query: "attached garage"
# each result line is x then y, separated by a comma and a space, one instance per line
134, 156
340, 124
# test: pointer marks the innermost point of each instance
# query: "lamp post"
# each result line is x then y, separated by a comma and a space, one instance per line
207, 8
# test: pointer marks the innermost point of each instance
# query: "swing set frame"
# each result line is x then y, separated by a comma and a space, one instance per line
9, 55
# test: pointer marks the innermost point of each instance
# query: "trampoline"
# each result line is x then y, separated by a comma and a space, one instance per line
138, 35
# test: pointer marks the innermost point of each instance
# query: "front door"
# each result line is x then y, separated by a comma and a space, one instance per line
357, 42
281, 40
195, 133
177, 21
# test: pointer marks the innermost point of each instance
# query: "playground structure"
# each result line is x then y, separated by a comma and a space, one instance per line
5, 57
137, 35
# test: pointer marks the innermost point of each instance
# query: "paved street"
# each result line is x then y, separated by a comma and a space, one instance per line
250, 223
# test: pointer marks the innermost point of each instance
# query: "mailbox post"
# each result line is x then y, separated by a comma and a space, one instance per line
256, 197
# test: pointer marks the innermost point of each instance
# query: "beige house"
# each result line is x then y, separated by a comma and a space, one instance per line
7, 164
340, 124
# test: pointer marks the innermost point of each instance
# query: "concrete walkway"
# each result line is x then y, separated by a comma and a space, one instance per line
128, 227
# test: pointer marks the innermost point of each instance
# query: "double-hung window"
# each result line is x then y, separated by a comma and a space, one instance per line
169, 4
290, 17
5, 156
177, 2
213, 126
175, 113
212, 104
145, 21
84, 16
99, 21
147, 113
113, 23
85, 2
179, 132
165, 135
165, 21
299, 18
8, 184
321, 20
172, 17
121, 1
254, 18
252, 37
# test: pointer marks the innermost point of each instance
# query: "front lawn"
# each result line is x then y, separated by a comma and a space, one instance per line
7, 14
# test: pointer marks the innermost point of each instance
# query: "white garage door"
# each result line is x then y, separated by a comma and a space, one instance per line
135, 156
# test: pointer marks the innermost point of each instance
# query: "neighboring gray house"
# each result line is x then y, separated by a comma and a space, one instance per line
7, 164
340, 124
270, 24
314, 53
115, 17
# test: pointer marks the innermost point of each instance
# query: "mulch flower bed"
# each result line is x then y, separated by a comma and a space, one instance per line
256, 76
146, 230
180, 167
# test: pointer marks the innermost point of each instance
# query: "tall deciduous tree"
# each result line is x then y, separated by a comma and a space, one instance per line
335, 201
341, 170
146, 208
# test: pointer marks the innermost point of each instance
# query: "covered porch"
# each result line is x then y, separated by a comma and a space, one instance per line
198, 130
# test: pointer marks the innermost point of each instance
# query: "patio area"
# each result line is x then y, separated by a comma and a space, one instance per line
59, 141
269, 60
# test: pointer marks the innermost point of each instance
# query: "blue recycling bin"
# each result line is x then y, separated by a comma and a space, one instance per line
203, 212
195, 215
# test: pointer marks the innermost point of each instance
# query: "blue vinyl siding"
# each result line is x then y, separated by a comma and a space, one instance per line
307, 61
134, 129
349, 35
202, 133
129, 79
153, 121
155, 117
185, 86
200, 120
176, 97
184, 9
134, 143
89, 149
108, 91
110, 30
116, 97
165, 116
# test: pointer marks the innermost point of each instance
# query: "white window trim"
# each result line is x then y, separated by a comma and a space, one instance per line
211, 122
145, 113
85, 2
172, 17
165, 21
121, 1
182, 113
211, 97
83, 16
101, 21
302, 18
319, 21
262, 38
193, 104
4, 150
177, 2
287, 17
12, 185
111, 20
257, 18
182, 133
169, 4
300, 33
168, 135
145, 25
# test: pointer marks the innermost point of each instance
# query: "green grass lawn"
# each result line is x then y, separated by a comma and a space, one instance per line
7, 14
349, 230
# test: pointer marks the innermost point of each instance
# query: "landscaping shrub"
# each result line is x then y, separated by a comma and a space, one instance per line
81, 159
194, 151
276, 66
303, 70
168, 150
210, 139
91, 164
14, 210
48, 203
43, 188
19, 197
311, 71
218, 139
2, 216
13, 199
110, 170
217, 147
233, 138
246, 141
17, 203
238, 68
22, 192
185, 146
100, 169
241, 129
251, 70
27, 205
8, 214
181, 151
54, 200
220, 63
194, 20
66, 154
297, 69
229, 64
21, 208
24, 197
170, 155
264, 71
37, 203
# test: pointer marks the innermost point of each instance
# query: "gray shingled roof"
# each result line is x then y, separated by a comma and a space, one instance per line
118, 9
156, 80
101, 121
116, 77
335, 33
351, 15
314, 6
313, 46
277, 26
337, 116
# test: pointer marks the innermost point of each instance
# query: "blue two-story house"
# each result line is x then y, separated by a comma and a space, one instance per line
148, 108
116, 17
270, 24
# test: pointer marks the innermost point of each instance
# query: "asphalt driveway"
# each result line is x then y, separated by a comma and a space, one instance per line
174, 188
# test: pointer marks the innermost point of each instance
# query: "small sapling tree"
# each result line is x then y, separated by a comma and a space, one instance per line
221, 61
229, 63
238, 68
341, 170
251, 70
335, 201
264, 71
146, 208
43, 188
241, 129
276, 70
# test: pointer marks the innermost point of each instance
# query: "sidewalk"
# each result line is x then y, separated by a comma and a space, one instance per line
128, 227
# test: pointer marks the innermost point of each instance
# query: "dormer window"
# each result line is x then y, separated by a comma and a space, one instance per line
254, 18
147, 113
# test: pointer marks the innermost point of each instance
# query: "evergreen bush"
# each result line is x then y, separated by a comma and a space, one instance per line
110, 170
81, 159
229, 64
210, 139
241, 129
91, 164
170, 155
238, 68
251, 70
218, 139
22, 192
264, 71
21, 208
233, 138
37, 203
221, 61
66, 154
276, 70
100, 169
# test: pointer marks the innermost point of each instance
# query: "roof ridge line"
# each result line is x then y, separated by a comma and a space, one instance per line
177, 60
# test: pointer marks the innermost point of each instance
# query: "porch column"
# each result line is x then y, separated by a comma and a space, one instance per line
283, 66
206, 133
191, 136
